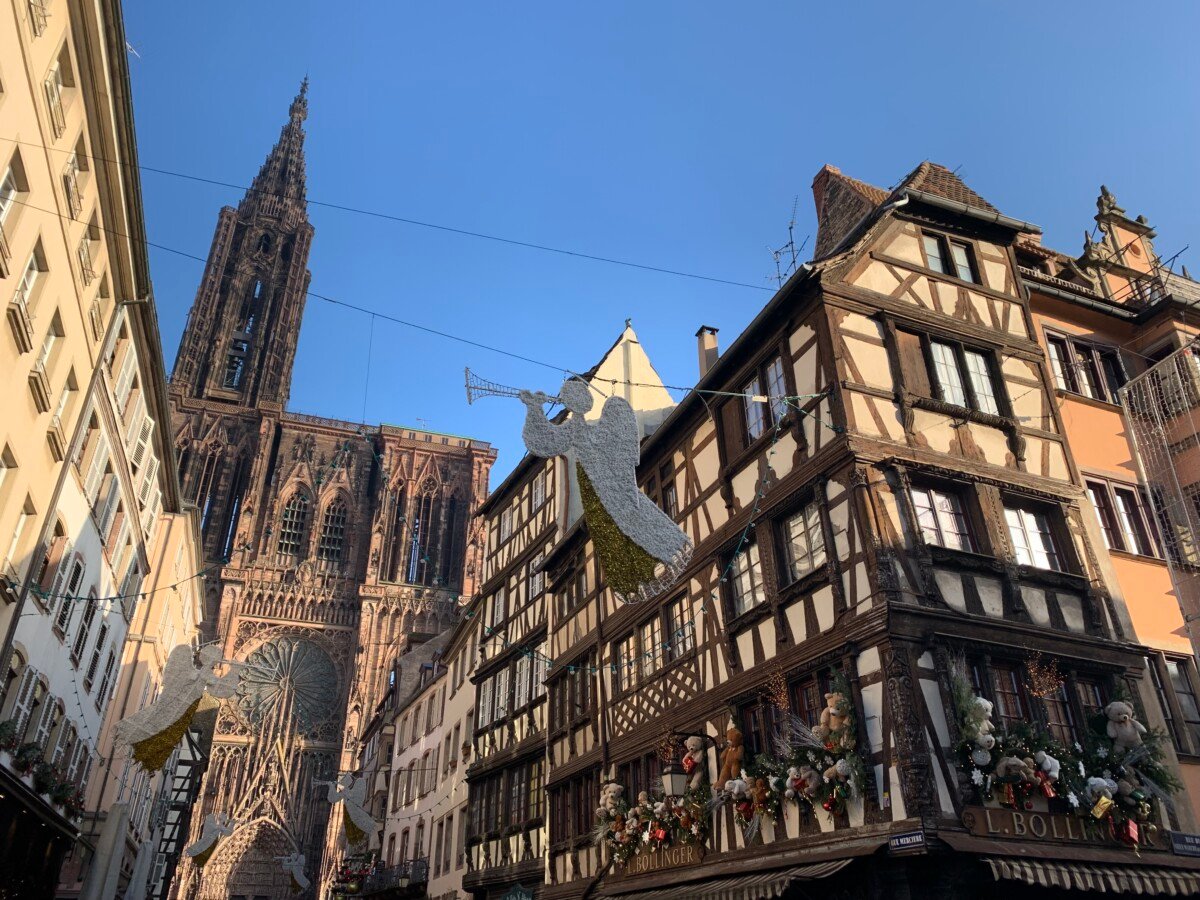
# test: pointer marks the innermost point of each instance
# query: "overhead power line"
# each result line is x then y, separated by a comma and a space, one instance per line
391, 217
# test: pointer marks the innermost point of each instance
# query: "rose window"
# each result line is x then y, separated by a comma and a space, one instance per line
288, 678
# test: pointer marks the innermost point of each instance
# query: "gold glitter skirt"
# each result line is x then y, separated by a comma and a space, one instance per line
201, 858
154, 751
626, 565
354, 834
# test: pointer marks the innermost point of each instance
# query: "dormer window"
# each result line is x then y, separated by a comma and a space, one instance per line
947, 257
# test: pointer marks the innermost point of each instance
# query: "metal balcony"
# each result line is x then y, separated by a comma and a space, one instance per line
38, 14
56, 439
87, 271
39, 386
19, 322
58, 119
397, 881
5, 254
71, 187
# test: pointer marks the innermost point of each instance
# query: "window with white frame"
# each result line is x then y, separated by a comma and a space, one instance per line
950, 257
942, 518
1031, 532
745, 578
539, 490
803, 541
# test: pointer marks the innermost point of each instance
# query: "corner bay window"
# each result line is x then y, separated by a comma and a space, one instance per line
1032, 537
1063, 712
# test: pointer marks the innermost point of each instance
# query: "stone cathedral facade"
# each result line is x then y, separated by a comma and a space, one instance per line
337, 543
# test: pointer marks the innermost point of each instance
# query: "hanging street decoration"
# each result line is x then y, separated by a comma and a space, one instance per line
641, 548
293, 864
351, 792
153, 732
216, 826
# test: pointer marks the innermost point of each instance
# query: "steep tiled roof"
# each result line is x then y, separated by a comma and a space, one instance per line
940, 181
842, 202
868, 192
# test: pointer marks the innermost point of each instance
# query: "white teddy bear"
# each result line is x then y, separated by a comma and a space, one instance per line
1047, 764
737, 788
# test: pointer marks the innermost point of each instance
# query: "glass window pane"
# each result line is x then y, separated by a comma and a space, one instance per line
1060, 363
952, 521
962, 261
1133, 527
756, 415
1099, 497
1089, 376
933, 253
926, 515
981, 382
1114, 375
1016, 533
777, 388
949, 378
804, 542
746, 576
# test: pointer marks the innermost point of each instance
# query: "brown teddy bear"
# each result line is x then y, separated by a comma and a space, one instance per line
759, 793
833, 730
731, 759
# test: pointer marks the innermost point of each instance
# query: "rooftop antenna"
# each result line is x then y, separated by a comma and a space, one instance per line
787, 257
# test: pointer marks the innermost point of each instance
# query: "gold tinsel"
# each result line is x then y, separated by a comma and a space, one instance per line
354, 834
776, 691
201, 858
1044, 678
154, 752
626, 565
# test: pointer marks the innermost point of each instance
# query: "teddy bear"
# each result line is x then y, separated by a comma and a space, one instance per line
1048, 764
1126, 731
693, 761
611, 797
1015, 768
759, 793
1098, 788
738, 788
839, 771
833, 730
731, 759
803, 781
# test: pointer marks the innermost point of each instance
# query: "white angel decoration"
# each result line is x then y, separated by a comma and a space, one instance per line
293, 864
351, 792
153, 732
216, 826
642, 549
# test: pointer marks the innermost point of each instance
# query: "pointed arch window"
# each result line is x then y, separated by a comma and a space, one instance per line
450, 553
293, 524
396, 556
333, 531
237, 488
206, 487
422, 561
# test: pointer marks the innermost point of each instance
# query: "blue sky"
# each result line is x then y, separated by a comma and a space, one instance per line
674, 134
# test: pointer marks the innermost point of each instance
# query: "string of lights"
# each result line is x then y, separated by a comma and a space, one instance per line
391, 217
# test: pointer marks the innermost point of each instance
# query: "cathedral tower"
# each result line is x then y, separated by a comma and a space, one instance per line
337, 543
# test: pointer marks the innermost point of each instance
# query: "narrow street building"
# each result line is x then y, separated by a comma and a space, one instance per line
86, 468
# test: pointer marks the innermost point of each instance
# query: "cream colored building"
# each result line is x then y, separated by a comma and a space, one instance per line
86, 464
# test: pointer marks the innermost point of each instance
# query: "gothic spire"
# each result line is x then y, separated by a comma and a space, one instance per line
283, 172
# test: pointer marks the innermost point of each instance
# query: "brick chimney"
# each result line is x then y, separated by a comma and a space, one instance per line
706, 346
819, 184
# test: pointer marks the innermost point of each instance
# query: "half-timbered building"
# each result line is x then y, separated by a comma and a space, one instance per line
885, 510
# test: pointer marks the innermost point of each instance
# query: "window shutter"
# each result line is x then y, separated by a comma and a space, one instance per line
521, 686
124, 381
912, 364
24, 704
151, 510
136, 421
734, 427
45, 720
148, 480
91, 484
141, 443
55, 568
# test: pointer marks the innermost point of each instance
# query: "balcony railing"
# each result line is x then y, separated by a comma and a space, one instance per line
5, 253
71, 187
87, 271
409, 873
38, 14
19, 322
58, 119
55, 437
39, 386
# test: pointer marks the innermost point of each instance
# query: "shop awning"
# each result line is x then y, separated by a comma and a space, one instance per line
762, 886
1142, 880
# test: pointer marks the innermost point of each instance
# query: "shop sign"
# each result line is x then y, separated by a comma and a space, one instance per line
666, 858
1038, 826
